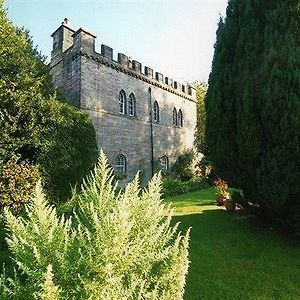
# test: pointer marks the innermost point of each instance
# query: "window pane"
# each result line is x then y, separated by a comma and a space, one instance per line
155, 112
122, 101
131, 105
121, 163
174, 116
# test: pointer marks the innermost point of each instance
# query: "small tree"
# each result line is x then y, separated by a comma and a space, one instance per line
183, 166
201, 89
116, 245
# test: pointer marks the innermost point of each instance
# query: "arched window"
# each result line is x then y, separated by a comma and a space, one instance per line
175, 117
122, 103
164, 162
131, 105
180, 118
121, 163
155, 112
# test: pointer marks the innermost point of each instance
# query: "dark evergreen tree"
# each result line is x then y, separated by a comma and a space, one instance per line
52, 135
253, 102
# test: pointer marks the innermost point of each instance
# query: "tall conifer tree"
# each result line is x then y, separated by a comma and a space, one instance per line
253, 102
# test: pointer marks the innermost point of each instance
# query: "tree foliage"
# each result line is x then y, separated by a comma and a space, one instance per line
57, 138
253, 102
17, 182
117, 245
201, 89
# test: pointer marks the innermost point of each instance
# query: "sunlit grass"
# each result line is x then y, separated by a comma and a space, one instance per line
232, 257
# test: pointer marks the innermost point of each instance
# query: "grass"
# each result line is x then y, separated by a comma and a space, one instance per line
232, 257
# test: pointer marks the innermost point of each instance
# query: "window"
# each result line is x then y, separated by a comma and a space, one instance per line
131, 105
164, 162
180, 118
175, 117
121, 163
155, 112
122, 103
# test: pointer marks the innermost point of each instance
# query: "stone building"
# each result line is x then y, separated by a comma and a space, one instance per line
143, 119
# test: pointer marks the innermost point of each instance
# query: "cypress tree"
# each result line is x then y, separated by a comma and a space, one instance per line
253, 102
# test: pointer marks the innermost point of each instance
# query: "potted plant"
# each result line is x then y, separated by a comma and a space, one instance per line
222, 194
230, 204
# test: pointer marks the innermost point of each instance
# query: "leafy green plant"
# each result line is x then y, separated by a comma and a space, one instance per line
239, 199
183, 168
173, 187
17, 182
116, 245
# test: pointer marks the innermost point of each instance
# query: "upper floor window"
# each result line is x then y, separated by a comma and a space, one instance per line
155, 112
121, 163
122, 103
180, 118
131, 105
175, 117
164, 162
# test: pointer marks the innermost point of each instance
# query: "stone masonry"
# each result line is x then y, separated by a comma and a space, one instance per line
93, 81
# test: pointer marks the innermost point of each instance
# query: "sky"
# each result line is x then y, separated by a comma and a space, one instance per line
173, 37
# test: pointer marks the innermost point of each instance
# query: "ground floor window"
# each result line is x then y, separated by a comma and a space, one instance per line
121, 163
164, 162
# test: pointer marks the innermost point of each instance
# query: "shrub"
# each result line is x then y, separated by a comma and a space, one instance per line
173, 187
17, 182
183, 168
116, 246
222, 187
239, 199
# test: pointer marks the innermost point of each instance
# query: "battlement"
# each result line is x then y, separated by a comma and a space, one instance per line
82, 42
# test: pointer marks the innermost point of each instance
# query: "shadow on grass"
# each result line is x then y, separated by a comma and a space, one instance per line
232, 259
206, 203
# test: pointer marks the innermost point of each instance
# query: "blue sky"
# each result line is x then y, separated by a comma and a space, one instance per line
174, 37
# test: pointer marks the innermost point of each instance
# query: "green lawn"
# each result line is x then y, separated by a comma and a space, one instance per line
232, 257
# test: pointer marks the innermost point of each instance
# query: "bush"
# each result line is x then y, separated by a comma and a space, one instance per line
116, 246
239, 199
17, 182
183, 167
173, 187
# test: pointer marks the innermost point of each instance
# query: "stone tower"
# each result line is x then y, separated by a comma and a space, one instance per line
143, 119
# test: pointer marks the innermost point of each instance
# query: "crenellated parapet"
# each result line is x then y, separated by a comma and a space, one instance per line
71, 43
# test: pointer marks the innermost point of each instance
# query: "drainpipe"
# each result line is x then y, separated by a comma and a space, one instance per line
151, 130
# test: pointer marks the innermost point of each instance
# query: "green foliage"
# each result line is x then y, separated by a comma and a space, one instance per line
57, 138
116, 245
183, 166
201, 89
253, 102
173, 187
17, 182
239, 199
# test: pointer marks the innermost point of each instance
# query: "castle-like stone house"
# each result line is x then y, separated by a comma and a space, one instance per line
143, 120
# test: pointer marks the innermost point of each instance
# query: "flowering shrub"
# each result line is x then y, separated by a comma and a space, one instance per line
117, 245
